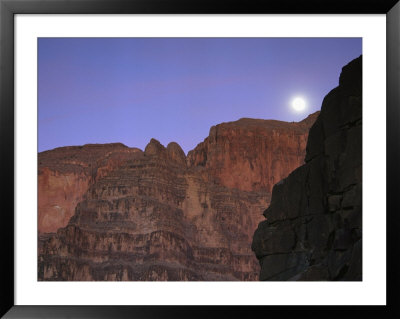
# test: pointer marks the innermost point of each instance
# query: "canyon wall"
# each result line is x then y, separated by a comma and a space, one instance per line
109, 212
313, 226
252, 154
64, 176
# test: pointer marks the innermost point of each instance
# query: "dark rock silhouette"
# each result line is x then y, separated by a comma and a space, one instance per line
313, 225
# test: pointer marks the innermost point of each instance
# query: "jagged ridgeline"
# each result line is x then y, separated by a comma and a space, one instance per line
313, 225
110, 212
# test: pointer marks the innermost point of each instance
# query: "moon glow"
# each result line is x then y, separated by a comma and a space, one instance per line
298, 104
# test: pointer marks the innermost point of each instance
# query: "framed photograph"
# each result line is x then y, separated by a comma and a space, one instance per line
160, 155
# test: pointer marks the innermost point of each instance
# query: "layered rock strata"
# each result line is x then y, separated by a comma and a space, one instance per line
313, 226
252, 154
65, 174
159, 215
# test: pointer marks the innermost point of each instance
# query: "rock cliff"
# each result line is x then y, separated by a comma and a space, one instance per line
313, 226
64, 176
122, 214
252, 154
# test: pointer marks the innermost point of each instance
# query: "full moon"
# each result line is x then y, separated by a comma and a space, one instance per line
298, 104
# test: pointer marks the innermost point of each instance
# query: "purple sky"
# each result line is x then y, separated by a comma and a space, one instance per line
129, 90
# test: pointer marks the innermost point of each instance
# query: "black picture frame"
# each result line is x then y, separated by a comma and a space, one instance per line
8, 8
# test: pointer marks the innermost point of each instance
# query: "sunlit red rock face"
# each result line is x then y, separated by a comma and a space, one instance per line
64, 175
252, 154
159, 215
